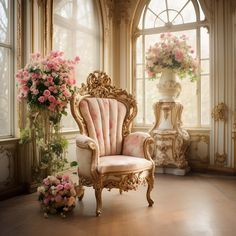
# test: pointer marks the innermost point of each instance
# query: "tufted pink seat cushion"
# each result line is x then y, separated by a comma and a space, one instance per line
119, 163
104, 119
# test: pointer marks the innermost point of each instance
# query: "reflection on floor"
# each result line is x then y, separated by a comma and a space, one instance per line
191, 205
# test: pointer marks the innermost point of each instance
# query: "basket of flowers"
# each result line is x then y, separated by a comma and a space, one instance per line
57, 195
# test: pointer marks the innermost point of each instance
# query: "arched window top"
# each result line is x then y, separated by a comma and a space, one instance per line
169, 13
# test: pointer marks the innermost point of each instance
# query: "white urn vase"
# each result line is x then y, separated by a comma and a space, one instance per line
168, 88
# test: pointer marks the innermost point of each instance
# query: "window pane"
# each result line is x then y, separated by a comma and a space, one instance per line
139, 71
76, 32
4, 21
150, 98
63, 8
188, 13
139, 98
205, 101
204, 43
188, 98
150, 18
5, 94
177, 5
139, 51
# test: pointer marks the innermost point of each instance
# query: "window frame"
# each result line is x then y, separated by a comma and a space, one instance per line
197, 25
10, 45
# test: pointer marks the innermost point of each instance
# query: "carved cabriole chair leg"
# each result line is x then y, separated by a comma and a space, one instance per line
80, 191
150, 181
98, 195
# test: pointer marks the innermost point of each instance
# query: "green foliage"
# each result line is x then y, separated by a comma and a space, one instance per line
24, 136
73, 163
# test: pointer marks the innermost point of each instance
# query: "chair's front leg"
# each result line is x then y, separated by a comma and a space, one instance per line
80, 190
150, 182
98, 194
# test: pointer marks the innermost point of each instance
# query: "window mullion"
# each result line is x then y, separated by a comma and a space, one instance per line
144, 87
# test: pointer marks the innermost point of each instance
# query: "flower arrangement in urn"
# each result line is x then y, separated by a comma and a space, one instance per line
57, 195
47, 84
172, 53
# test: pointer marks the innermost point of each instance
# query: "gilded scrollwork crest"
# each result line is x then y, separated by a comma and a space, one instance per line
99, 85
219, 112
220, 159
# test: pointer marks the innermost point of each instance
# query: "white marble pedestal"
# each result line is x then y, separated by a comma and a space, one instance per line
171, 141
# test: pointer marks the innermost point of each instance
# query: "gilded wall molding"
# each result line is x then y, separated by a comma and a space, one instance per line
199, 148
221, 159
110, 4
219, 112
123, 7
7, 153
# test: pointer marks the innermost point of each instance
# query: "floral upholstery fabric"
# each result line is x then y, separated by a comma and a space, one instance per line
104, 119
133, 144
121, 163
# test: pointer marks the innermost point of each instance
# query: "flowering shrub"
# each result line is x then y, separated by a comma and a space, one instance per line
171, 53
57, 195
47, 82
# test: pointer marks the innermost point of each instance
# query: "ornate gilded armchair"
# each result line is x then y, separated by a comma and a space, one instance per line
109, 156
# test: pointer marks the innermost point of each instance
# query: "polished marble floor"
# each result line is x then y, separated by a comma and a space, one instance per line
196, 205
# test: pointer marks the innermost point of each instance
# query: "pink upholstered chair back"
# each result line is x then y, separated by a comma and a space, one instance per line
104, 118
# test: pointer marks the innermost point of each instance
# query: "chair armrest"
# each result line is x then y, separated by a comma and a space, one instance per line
87, 153
138, 144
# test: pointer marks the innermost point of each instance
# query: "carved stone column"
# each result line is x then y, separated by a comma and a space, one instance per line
171, 141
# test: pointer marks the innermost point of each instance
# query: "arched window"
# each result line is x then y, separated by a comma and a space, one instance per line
178, 17
76, 31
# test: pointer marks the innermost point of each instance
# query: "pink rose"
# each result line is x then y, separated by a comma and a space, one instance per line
35, 91
67, 186
41, 99
67, 93
25, 73
58, 198
51, 88
50, 79
179, 56
25, 88
65, 177
46, 201
51, 98
59, 187
77, 58
63, 86
46, 93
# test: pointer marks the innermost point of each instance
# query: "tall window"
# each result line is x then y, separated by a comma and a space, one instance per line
77, 32
178, 17
6, 68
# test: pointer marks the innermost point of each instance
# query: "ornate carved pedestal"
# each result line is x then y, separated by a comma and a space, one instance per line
171, 141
